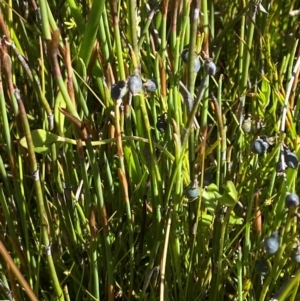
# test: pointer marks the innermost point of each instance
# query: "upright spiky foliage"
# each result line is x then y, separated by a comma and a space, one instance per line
149, 150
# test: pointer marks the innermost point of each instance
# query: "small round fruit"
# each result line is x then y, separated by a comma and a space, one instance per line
292, 200
259, 146
135, 84
192, 192
291, 159
266, 145
197, 64
265, 140
118, 90
262, 267
185, 55
272, 243
150, 85
161, 124
210, 67
185, 58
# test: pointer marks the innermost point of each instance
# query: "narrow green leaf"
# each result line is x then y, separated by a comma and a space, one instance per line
91, 31
231, 191
227, 200
41, 139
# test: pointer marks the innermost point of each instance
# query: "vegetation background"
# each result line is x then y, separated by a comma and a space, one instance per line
152, 195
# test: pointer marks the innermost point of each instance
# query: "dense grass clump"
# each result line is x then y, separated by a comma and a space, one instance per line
149, 150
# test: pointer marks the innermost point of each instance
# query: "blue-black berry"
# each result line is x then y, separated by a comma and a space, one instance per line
210, 67
291, 159
197, 64
292, 200
161, 124
192, 192
150, 85
259, 146
185, 58
185, 55
135, 84
118, 90
262, 267
272, 243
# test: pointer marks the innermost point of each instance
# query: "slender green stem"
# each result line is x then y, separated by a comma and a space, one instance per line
118, 45
44, 19
90, 32
44, 223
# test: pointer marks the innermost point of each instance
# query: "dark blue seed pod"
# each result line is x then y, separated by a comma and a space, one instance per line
192, 192
292, 200
185, 55
150, 85
118, 90
185, 59
161, 125
291, 159
272, 243
135, 84
210, 67
266, 145
259, 146
262, 267
197, 64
